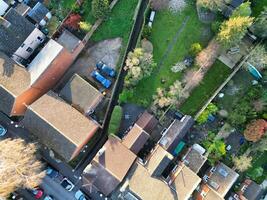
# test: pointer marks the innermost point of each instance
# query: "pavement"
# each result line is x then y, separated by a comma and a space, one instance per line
50, 186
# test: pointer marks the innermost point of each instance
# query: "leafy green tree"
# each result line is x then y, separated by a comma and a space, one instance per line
100, 8
243, 10
261, 145
233, 30
216, 151
259, 28
211, 109
215, 148
256, 173
125, 95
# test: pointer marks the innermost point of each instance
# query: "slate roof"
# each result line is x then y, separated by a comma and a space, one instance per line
81, 94
236, 3
16, 33
38, 12
176, 132
253, 191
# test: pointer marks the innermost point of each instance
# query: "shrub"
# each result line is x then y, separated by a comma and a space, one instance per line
100, 8
146, 32
125, 95
203, 117
85, 26
215, 27
195, 49
115, 120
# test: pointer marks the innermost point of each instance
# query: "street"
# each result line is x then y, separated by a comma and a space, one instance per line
54, 189
49, 186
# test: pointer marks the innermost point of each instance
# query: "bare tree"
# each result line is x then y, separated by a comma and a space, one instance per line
242, 163
159, 4
19, 167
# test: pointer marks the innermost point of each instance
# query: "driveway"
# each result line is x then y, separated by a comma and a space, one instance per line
130, 115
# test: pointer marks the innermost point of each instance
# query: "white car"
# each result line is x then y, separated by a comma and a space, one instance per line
3, 131
67, 184
79, 195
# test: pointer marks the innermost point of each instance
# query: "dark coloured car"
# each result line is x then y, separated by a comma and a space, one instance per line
101, 79
105, 69
52, 173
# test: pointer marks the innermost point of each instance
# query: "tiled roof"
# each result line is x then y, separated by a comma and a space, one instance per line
110, 166
135, 139
58, 125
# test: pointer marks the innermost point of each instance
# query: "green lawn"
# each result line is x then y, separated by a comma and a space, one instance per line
260, 162
212, 80
257, 6
165, 27
87, 12
120, 22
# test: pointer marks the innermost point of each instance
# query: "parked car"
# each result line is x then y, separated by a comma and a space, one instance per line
67, 184
52, 173
16, 196
37, 192
101, 79
79, 195
102, 67
48, 197
3, 130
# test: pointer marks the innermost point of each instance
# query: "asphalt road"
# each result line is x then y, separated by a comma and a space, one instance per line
50, 186
54, 189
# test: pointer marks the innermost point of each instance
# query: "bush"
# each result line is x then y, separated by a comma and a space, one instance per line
125, 96
100, 8
115, 120
203, 117
85, 26
195, 49
215, 27
146, 32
